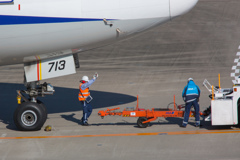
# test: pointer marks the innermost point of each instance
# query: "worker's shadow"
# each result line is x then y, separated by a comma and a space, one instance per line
179, 121
63, 100
170, 120
71, 118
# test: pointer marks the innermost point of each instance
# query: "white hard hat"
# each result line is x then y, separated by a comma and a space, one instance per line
85, 78
190, 79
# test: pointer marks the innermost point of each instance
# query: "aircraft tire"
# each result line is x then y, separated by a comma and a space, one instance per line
30, 116
43, 107
44, 110
140, 124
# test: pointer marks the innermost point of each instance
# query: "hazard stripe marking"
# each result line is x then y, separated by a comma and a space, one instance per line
234, 68
132, 134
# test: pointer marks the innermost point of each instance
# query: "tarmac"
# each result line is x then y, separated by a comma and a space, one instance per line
154, 65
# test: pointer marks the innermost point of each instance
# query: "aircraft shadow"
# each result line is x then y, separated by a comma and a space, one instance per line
63, 100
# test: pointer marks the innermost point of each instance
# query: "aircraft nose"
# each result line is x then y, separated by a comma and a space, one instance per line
179, 7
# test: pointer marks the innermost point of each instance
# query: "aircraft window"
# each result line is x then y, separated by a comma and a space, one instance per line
6, 1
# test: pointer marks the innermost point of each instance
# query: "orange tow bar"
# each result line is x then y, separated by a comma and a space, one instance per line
146, 116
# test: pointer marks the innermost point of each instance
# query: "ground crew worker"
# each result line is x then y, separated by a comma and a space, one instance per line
85, 97
191, 94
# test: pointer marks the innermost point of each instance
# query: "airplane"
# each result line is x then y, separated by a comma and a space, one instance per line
47, 37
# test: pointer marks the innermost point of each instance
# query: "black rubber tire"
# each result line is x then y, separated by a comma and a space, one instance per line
140, 124
44, 109
29, 116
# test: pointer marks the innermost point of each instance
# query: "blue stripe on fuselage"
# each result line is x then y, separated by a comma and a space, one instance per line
13, 20
9, 1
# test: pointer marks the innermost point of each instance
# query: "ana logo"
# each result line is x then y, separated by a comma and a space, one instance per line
133, 114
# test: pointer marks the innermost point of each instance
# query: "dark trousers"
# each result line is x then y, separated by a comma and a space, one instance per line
187, 112
87, 110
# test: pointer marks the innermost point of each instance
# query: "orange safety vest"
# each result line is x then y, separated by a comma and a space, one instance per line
83, 94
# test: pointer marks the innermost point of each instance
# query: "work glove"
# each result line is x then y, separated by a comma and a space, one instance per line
95, 76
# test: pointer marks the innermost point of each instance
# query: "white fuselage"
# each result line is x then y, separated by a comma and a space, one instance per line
38, 27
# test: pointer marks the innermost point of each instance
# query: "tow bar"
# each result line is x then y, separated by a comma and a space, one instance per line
146, 116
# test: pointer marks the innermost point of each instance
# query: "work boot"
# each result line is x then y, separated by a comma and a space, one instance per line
198, 125
86, 124
183, 126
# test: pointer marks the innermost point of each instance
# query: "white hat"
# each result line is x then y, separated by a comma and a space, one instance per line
85, 78
190, 79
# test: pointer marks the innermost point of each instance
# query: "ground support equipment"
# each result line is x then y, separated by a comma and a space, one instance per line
146, 115
225, 104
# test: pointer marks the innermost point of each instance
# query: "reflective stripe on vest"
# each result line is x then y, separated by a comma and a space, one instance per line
83, 94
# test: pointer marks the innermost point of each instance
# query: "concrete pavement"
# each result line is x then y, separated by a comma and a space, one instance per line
154, 65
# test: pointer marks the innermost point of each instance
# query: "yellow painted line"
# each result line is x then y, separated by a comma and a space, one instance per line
40, 68
132, 134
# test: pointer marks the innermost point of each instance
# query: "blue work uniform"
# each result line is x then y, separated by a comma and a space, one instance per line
87, 107
191, 94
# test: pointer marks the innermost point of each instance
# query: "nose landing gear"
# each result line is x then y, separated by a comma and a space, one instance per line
31, 114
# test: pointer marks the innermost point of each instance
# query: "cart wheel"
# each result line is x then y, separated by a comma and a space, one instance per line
140, 124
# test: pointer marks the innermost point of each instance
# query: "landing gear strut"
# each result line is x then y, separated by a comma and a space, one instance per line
31, 114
